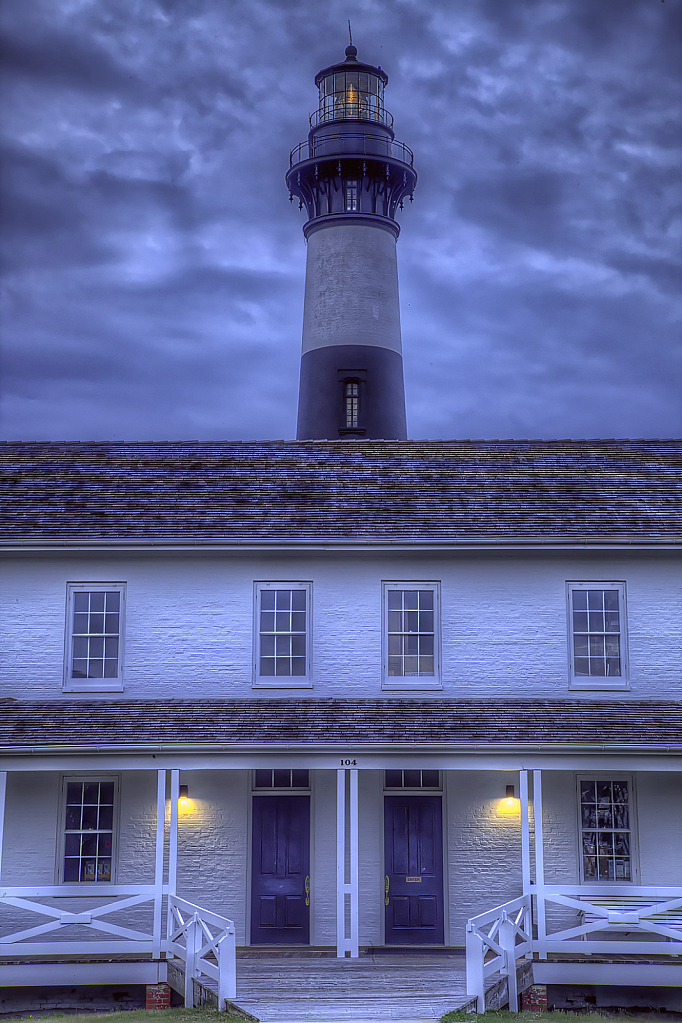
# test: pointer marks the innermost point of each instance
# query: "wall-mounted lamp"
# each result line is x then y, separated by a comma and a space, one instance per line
510, 799
509, 806
184, 791
184, 802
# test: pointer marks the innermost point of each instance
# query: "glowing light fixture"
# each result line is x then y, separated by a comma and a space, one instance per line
183, 799
510, 796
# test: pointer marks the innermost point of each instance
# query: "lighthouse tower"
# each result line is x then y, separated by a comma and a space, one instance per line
351, 176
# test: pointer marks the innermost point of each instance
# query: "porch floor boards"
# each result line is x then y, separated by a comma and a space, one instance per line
296, 988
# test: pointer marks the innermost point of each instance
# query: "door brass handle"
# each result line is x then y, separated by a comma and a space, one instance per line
307, 890
386, 887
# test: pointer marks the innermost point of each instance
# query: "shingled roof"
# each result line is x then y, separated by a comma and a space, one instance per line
152, 724
367, 491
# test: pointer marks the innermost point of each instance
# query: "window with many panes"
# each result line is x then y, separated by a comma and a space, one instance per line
281, 778
411, 635
282, 655
351, 402
606, 829
411, 779
89, 806
94, 642
351, 196
597, 634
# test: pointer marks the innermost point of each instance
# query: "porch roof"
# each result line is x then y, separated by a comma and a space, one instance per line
370, 492
130, 725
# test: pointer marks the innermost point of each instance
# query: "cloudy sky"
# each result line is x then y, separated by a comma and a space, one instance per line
154, 268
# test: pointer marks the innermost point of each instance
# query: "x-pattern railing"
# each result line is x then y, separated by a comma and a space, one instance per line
206, 943
119, 897
616, 908
496, 939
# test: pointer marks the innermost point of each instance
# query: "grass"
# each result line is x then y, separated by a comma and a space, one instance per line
139, 1015
504, 1016
211, 1016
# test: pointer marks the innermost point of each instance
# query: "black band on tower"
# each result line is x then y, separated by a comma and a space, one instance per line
331, 407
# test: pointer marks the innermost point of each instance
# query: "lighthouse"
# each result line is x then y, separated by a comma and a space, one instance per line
351, 176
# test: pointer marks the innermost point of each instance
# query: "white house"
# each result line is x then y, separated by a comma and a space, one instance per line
347, 695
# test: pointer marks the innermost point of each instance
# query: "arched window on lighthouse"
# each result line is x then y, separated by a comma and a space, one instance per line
351, 400
351, 196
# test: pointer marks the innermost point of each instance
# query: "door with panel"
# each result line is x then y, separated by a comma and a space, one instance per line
280, 870
413, 882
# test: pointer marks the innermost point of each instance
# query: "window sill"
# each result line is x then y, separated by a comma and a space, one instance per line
92, 686
606, 881
285, 683
416, 685
578, 685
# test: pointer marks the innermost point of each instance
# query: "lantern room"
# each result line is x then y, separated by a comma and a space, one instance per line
351, 91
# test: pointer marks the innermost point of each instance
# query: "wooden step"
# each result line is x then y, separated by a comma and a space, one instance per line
308, 989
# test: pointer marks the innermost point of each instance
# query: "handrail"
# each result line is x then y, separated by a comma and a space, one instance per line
357, 111
359, 142
118, 897
496, 938
193, 935
643, 910
508, 937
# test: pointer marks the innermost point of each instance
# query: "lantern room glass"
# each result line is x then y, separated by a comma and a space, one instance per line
352, 95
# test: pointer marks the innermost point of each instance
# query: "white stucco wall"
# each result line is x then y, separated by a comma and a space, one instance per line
481, 840
189, 622
351, 288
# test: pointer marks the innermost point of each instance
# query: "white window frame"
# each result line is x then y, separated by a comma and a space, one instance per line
599, 682
633, 817
87, 886
281, 790
93, 685
282, 681
411, 682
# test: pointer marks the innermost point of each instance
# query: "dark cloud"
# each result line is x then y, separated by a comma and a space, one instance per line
154, 268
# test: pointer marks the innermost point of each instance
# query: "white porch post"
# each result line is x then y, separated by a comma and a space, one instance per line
158, 866
173, 842
346, 845
525, 832
539, 864
3, 791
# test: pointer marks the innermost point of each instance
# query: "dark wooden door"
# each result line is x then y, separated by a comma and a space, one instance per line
413, 841
280, 870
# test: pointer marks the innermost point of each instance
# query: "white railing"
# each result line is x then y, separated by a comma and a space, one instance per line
119, 897
194, 934
624, 910
494, 941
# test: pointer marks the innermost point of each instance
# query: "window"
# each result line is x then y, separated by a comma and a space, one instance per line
411, 655
94, 636
284, 778
606, 829
282, 655
412, 779
597, 635
351, 398
351, 196
89, 805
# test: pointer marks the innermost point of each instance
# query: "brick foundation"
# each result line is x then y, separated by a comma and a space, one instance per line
533, 999
158, 996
